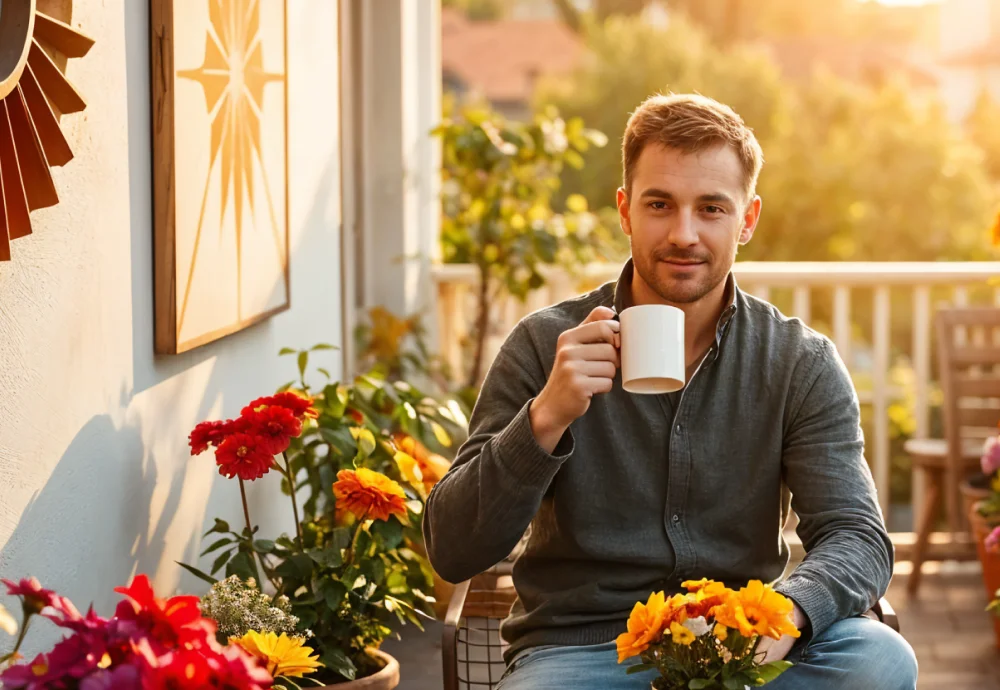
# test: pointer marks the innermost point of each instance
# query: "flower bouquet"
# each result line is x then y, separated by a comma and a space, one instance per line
707, 637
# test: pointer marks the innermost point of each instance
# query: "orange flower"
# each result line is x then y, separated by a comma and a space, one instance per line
370, 494
995, 231
645, 626
432, 466
707, 598
758, 610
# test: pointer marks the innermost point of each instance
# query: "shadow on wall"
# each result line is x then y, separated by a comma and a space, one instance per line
109, 505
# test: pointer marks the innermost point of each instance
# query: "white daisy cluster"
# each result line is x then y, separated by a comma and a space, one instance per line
238, 607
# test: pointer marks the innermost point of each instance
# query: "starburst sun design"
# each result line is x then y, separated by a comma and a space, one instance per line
233, 78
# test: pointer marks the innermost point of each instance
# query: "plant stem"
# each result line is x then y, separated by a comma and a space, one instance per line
482, 323
291, 490
20, 639
246, 515
354, 541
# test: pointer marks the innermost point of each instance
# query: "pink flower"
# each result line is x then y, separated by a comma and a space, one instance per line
35, 598
990, 461
992, 541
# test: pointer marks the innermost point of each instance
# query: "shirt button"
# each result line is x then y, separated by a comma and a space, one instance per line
679, 427
676, 518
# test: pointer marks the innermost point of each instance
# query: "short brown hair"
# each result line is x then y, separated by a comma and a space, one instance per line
690, 123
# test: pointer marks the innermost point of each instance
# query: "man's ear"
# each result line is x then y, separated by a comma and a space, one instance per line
624, 219
750, 219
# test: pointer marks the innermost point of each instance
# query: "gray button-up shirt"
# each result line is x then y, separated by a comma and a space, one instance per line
641, 494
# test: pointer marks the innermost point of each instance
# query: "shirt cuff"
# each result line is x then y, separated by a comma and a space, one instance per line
523, 457
814, 599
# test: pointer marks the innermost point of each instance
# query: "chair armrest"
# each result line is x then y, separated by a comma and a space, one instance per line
449, 635
883, 609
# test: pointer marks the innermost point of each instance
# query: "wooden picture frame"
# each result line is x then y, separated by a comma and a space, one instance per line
220, 168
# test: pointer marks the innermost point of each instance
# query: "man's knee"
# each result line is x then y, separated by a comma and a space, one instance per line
879, 656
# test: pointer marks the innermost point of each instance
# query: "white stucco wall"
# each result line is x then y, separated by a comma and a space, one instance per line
95, 480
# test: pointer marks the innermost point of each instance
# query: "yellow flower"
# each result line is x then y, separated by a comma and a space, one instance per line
681, 634
696, 585
283, 656
721, 632
758, 610
645, 625
410, 470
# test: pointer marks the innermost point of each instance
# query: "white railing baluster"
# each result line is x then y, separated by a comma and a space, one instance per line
842, 321
801, 305
880, 394
922, 336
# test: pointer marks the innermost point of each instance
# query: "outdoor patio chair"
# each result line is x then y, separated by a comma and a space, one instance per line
471, 649
968, 354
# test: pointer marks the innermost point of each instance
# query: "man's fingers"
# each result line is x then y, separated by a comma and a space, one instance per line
595, 352
597, 332
599, 314
597, 369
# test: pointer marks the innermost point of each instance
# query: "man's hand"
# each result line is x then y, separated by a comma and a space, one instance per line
776, 650
587, 359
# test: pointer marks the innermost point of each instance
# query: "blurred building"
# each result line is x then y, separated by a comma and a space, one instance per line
969, 60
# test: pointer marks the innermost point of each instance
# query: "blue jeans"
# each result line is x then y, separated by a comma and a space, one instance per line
852, 654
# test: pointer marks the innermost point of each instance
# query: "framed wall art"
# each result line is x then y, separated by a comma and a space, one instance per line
220, 167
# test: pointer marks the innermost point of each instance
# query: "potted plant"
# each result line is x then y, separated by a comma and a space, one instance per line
353, 571
984, 516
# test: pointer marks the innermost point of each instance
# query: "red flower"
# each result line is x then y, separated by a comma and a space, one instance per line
276, 425
244, 455
228, 668
34, 598
356, 416
173, 622
208, 434
300, 406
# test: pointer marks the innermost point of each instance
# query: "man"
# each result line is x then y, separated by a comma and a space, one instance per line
628, 494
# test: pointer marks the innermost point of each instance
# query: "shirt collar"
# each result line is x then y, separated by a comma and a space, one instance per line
623, 298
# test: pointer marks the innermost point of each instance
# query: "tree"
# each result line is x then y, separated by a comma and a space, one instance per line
499, 178
981, 126
851, 172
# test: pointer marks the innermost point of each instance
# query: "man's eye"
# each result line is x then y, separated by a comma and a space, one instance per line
714, 209
658, 205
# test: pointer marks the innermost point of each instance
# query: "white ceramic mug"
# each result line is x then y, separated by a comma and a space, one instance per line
652, 349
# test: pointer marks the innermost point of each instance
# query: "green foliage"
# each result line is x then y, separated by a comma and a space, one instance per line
349, 582
499, 180
852, 172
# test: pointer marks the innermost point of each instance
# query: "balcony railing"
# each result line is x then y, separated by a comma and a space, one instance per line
851, 302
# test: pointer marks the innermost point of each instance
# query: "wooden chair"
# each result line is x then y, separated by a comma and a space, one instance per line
967, 356
471, 649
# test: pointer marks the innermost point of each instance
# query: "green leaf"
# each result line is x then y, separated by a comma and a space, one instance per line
389, 533
336, 660
216, 545
340, 538
286, 351
307, 616
221, 526
242, 565
221, 561
737, 681
334, 592
324, 346
298, 565
639, 668
263, 545
374, 570
286, 386
324, 372
197, 573
770, 671
700, 684
329, 557
303, 362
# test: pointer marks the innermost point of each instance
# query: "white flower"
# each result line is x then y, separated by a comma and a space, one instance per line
699, 626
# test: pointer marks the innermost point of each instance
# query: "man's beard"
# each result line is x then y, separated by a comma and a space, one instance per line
680, 289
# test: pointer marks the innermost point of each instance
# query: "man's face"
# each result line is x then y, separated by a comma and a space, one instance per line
685, 217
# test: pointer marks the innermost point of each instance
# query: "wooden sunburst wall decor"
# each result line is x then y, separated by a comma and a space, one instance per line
34, 92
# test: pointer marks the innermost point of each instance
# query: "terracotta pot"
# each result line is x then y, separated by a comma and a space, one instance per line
981, 528
973, 489
386, 679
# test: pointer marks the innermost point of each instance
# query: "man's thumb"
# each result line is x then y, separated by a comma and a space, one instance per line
599, 314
